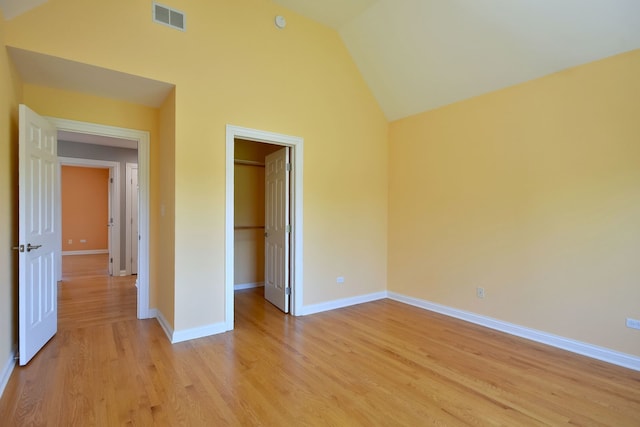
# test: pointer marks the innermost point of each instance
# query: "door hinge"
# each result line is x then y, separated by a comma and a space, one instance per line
111, 180
287, 291
111, 260
288, 167
288, 228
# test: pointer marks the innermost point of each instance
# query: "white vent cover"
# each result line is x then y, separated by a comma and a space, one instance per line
168, 16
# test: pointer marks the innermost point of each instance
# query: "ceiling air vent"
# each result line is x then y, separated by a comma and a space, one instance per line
168, 16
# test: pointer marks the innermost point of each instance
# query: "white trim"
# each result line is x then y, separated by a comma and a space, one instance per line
142, 138
297, 148
589, 350
128, 217
164, 324
124, 273
114, 206
87, 252
199, 332
187, 334
341, 303
7, 370
243, 286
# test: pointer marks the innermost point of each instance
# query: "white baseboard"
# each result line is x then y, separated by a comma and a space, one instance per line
89, 252
589, 350
124, 273
341, 303
242, 286
7, 369
164, 324
187, 334
199, 332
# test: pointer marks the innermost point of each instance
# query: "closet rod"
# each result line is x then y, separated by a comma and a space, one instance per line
248, 227
248, 163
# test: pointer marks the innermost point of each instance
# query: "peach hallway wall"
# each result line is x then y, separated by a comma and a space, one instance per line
85, 205
532, 192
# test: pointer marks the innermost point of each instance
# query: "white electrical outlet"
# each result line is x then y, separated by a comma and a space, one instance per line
633, 323
340, 279
70, 241
83, 240
480, 292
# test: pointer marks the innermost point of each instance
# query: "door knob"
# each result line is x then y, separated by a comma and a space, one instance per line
31, 247
18, 248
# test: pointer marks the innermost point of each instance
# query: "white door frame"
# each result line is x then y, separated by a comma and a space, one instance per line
295, 265
129, 239
114, 203
142, 137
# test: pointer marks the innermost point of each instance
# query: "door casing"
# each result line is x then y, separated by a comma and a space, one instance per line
142, 138
295, 266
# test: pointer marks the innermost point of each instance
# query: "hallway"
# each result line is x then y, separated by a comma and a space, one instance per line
88, 296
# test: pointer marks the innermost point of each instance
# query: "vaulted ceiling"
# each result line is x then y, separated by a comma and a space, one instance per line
418, 55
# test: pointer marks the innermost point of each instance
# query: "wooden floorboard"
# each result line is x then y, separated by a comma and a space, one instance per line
380, 363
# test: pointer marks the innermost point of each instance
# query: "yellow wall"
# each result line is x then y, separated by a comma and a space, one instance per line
162, 202
10, 96
300, 81
532, 192
93, 109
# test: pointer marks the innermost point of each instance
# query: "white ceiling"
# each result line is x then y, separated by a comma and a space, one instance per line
415, 55
418, 55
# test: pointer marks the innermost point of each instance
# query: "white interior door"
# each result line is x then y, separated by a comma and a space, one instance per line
110, 227
132, 216
277, 229
37, 292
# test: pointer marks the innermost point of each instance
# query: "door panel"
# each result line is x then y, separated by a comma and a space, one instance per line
38, 309
276, 286
134, 220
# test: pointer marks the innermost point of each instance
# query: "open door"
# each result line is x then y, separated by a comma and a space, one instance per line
277, 229
132, 217
37, 292
110, 225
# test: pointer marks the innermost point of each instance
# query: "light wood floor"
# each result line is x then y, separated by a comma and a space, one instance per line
381, 363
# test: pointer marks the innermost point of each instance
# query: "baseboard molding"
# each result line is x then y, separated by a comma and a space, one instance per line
242, 286
89, 252
199, 332
164, 324
589, 350
124, 273
187, 334
7, 369
341, 303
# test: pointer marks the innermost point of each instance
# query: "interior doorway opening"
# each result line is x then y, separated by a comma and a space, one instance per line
248, 151
106, 135
76, 206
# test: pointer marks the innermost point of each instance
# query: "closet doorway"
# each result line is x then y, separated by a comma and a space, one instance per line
263, 218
